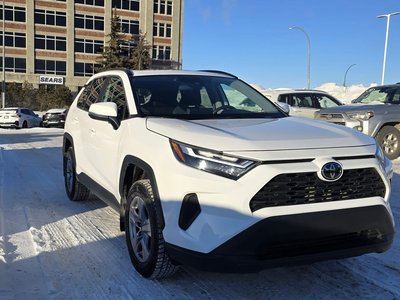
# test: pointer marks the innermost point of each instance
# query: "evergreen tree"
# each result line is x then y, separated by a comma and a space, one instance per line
111, 57
139, 55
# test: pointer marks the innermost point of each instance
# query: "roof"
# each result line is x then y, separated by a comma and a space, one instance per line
56, 110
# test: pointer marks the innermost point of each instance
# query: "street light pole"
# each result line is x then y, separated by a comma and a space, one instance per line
386, 40
309, 48
345, 74
3, 90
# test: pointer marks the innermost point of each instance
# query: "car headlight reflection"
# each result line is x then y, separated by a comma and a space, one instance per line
212, 161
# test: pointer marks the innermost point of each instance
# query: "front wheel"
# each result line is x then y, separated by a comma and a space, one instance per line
144, 236
389, 140
75, 190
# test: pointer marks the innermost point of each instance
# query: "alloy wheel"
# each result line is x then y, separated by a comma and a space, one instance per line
140, 229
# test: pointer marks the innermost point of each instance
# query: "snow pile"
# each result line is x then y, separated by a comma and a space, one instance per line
344, 94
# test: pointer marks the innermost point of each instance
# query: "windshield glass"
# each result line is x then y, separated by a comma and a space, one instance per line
381, 95
200, 97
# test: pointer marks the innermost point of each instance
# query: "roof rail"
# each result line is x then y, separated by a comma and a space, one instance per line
127, 71
219, 72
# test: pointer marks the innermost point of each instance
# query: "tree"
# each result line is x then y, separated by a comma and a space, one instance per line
111, 56
140, 54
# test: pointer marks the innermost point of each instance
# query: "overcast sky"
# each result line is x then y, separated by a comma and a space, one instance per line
252, 40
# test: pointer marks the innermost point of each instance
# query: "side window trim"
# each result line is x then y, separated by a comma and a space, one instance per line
106, 83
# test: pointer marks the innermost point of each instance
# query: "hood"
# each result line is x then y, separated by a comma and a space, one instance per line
258, 134
353, 107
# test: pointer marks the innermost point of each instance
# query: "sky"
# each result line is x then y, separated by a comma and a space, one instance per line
252, 40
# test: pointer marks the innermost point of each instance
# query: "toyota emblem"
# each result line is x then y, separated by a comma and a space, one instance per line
332, 171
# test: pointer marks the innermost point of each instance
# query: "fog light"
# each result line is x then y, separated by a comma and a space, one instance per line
359, 128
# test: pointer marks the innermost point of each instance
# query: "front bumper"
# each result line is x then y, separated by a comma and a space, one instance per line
225, 204
296, 239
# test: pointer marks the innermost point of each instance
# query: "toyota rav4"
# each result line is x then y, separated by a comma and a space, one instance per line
200, 178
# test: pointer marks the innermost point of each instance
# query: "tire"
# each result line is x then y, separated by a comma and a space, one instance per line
389, 140
75, 190
25, 124
144, 236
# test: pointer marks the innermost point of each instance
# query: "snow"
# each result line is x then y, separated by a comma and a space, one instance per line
52, 248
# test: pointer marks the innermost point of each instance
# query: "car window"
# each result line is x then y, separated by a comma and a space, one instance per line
396, 97
378, 95
114, 92
285, 98
238, 100
302, 100
194, 97
325, 101
91, 93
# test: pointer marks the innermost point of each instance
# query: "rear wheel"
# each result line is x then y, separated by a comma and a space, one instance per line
75, 190
389, 140
25, 124
144, 236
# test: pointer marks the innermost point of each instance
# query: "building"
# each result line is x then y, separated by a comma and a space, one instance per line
57, 41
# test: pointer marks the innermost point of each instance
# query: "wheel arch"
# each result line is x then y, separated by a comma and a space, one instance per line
68, 142
133, 169
395, 124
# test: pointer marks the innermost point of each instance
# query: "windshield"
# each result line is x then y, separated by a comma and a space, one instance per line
380, 95
200, 97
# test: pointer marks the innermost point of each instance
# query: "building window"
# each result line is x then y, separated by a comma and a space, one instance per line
88, 46
162, 30
91, 2
162, 7
130, 26
13, 13
13, 39
85, 69
48, 42
14, 64
89, 22
50, 67
127, 47
49, 17
126, 4
161, 52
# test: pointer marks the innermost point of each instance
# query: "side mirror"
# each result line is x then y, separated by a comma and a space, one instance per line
105, 111
284, 106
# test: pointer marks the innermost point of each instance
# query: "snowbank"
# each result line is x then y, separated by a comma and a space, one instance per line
344, 94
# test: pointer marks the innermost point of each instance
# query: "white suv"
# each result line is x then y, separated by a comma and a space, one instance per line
19, 117
205, 171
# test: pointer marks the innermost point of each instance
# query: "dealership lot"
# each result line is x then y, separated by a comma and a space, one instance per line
51, 247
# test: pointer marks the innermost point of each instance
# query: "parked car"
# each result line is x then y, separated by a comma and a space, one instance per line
55, 117
375, 112
205, 171
19, 117
302, 103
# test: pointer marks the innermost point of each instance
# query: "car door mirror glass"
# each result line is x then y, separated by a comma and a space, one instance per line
284, 106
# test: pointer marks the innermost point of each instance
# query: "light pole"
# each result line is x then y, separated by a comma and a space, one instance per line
345, 74
386, 40
309, 47
3, 89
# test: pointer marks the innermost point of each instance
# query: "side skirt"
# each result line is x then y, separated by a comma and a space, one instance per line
99, 191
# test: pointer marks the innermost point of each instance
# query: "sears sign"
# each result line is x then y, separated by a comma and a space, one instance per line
51, 80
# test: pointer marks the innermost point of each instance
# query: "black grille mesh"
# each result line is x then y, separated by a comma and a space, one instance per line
304, 188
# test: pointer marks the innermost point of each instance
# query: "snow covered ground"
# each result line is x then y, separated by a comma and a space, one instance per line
52, 248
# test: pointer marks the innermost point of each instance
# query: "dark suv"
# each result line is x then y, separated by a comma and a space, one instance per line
55, 117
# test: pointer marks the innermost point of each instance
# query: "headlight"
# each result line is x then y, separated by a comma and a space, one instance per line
212, 161
361, 115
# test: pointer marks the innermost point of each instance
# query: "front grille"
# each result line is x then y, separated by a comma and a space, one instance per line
305, 188
323, 244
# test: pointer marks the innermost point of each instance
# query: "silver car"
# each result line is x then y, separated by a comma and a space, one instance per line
302, 103
375, 112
